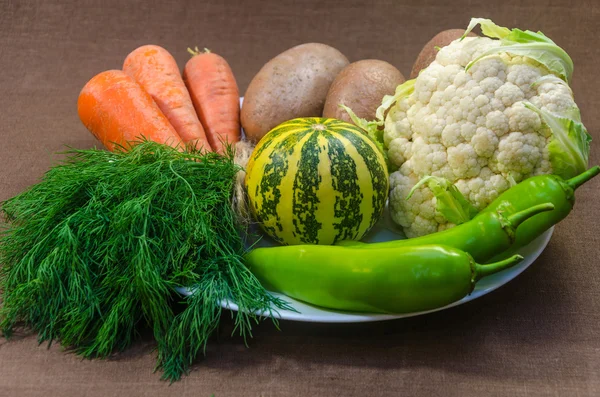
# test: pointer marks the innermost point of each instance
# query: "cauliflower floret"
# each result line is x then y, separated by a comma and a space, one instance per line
557, 100
397, 124
484, 188
508, 94
462, 52
523, 76
451, 135
484, 142
399, 150
497, 121
470, 126
522, 119
433, 155
467, 131
545, 167
463, 161
489, 68
518, 154
490, 85
417, 214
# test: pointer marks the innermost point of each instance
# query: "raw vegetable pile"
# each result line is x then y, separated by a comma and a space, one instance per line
477, 156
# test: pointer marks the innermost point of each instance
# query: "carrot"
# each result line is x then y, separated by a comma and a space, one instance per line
157, 71
215, 95
117, 111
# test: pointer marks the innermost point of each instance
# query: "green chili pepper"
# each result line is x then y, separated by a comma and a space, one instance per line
387, 280
483, 237
535, 190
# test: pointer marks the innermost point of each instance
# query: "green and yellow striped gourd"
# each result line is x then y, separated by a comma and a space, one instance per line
316, 181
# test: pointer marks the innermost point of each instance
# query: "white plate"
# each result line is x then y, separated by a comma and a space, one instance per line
384, 231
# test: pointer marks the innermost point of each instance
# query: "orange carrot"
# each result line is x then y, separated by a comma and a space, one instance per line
157, 71
215, 95
117, 111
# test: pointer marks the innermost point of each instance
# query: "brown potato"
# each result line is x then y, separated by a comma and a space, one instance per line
361, 86
293, 84
428, 53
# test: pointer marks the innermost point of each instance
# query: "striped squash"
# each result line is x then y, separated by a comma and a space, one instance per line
316, 181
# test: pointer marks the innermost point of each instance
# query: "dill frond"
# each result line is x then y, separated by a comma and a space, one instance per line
96, 251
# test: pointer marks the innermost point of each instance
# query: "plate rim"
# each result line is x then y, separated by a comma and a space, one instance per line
340, 317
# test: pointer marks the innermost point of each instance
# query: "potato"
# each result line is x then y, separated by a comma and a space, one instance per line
361, 86
293, 84
428, 53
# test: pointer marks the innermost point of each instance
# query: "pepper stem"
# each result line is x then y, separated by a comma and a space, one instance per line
582, 178
519, 217
492, 268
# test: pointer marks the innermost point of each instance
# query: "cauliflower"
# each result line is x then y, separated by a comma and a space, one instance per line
486, 114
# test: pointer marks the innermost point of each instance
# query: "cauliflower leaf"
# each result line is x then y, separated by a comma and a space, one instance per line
534, 45
402, 91
449, 200
550, 78
569, 150
488, 28
371, 128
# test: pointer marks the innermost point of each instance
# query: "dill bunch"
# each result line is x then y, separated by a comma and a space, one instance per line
97, 250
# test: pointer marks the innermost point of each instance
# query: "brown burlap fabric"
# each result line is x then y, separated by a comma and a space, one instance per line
537, 335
